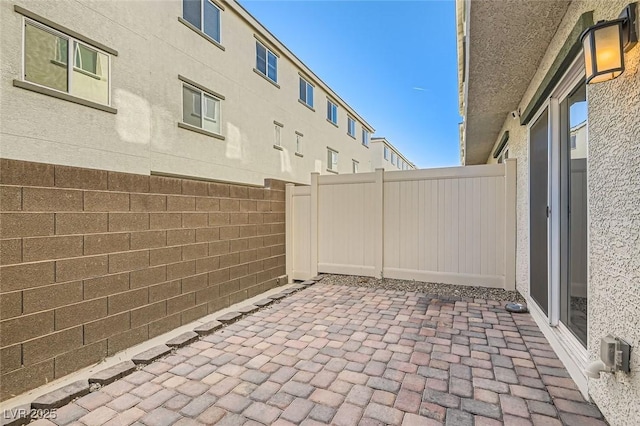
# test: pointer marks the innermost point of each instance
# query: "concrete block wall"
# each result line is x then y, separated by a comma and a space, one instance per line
94, 261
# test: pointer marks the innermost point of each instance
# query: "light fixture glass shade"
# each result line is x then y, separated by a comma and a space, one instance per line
603, 51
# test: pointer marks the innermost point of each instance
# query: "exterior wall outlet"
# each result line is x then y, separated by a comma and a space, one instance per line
615, 353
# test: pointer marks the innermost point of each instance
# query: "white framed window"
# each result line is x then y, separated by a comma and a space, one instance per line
306, 92
266, 62
277, 135
393, 158
60, 62
355, 165
332, 112
365, 137
332, 160
351, 127
298, 143
504, 154
204, 15
386, 153
200, 109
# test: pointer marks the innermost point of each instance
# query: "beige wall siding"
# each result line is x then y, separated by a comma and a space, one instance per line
377, 157
143, 136
93, 262
613, 203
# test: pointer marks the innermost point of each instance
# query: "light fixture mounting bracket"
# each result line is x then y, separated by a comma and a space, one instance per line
629, 26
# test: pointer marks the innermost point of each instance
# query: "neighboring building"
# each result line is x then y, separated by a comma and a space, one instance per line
386, 156
523, 96
196, 88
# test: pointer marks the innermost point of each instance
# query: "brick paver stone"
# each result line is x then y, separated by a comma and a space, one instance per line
182, 339
387, 415
208, 327
157, 399
94, 400
297, 411
151, 355
123, 402
416, 420
248, 309
347, 415
458, 418
234, 403
261, 412
111, 374
98, 417
322, 413
160, 417
342, 355
68, 414
62, 396
229, 317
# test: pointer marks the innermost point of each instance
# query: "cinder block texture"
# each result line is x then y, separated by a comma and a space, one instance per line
94, 261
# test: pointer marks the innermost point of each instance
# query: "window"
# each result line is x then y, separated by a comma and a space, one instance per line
573, 141
393, 158
351, 127
332, 112
266, 62
504, 154
306, 92
386, 153
277, 141
204, 15
355, 166
332, 160
46, 63
365, 137
298, 143
200, 109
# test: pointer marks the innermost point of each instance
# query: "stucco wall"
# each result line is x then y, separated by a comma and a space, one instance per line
377, 156
143, 136
614, 206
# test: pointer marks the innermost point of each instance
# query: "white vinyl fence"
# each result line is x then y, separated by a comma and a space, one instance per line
452, 225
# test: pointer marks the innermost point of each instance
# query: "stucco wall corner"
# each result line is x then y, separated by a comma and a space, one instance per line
614, 234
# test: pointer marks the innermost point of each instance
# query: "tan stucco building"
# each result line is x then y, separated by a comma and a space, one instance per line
206, 92
522, 92
386, 156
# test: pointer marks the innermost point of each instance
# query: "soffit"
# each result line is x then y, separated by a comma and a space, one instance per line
506, 41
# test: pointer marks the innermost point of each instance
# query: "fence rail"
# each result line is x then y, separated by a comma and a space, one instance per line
451, 225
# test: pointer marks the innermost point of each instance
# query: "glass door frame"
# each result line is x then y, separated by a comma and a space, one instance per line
570, 350
572, 78
555, 232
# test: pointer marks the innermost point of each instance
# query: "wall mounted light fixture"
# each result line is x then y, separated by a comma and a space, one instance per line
604, 45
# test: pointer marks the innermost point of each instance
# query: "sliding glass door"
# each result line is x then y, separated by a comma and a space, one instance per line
558, 207
573, 220
538, 210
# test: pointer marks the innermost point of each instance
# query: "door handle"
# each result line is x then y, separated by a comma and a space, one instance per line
548, 211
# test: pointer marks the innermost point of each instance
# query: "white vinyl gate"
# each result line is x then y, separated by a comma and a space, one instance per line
452, 225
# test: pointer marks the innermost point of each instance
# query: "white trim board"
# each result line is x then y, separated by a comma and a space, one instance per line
562, 341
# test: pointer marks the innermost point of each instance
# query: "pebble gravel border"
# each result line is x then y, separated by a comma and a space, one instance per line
446, 290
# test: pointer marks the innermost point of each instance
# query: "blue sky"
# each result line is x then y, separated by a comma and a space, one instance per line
394, 62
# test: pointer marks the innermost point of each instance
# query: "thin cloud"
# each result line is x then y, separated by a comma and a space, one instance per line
420, 89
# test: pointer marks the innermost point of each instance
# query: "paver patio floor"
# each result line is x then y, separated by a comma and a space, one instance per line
347, 356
